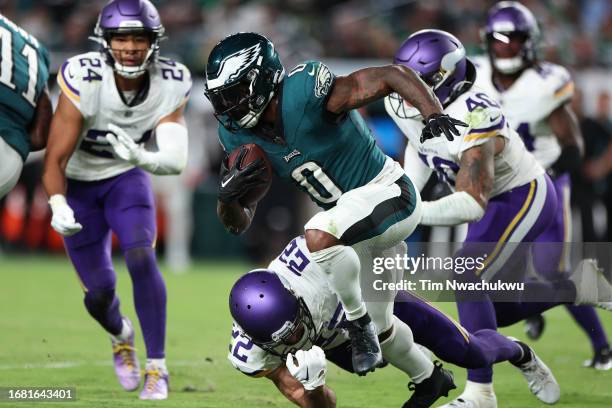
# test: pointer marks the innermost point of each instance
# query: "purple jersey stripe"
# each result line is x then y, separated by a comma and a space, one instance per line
63, 73
497, 126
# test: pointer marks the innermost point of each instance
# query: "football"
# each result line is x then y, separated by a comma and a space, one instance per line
254, 152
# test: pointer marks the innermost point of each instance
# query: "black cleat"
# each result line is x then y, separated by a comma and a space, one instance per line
364, 343
534, 326
428, 391
602, 360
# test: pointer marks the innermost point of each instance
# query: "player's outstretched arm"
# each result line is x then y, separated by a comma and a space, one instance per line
564, 124
294, 391
369, 84
472, 188
63, 136
39, 127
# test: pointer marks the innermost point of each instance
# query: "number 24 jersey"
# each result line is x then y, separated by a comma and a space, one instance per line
89, 83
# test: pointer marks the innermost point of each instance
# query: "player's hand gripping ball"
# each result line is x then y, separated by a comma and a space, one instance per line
246, 175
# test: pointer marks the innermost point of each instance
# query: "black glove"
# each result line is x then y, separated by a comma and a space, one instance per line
236, 182
438, 123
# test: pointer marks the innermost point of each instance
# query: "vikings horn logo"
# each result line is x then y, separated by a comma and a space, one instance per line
234, 65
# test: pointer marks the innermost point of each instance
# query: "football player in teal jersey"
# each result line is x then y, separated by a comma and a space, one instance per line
25, 108
307, 125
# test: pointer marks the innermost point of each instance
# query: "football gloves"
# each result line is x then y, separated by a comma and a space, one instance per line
124, 146
308, 367
438, 123
63, 217
236, 182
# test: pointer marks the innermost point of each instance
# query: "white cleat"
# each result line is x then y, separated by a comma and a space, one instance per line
592, 288
541, 381
602, 360
474, 396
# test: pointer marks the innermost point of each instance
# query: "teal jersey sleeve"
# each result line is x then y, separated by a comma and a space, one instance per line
24, 73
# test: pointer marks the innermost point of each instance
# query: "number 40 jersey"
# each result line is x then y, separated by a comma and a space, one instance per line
89, 83
514, 166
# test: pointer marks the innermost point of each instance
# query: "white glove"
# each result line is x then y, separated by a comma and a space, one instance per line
124, 146
63, 217
308, 367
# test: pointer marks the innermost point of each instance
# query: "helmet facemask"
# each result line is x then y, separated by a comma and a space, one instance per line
523, 56
283, 341
114, 57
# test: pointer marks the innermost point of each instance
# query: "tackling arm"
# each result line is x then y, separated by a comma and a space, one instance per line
472, 188
39, 127
294, 391
564, 125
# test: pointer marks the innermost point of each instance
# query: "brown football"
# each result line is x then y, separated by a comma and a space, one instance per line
254, 152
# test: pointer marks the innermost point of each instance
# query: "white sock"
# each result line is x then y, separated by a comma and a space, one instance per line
126, 331
156, 364
399, 350
342, 265
475, 389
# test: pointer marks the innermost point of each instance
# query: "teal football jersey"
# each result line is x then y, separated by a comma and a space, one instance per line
324, 157
24, 70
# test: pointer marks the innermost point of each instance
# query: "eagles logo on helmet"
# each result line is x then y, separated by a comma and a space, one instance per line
129, 17
242, 76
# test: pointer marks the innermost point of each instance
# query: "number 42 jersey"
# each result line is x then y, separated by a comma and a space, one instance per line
514, 166
89, 83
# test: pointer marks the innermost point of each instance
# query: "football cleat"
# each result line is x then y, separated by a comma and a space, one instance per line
602, 360
592, 288
155, 385
534, 326
365, 346
125, 361
541, 381
429, 390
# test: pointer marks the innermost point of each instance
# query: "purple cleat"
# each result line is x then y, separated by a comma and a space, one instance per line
126, 364
155, 385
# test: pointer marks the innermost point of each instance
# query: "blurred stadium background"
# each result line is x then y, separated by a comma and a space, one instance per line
44, 324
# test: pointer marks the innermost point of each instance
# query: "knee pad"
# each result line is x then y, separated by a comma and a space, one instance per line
98, 301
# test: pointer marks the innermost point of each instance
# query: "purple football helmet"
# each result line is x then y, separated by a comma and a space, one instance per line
271, 314
439, 59
510, 21
129, 17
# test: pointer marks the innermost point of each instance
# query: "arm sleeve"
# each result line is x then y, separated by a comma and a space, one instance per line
414, 167
171, 157
454, 209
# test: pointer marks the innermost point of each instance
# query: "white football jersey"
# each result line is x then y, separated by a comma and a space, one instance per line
528, 103
514, 166
89, 83
308, 281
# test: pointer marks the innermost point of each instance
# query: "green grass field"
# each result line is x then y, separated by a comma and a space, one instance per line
47, 339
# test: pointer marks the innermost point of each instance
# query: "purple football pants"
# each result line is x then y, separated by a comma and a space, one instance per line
443, 336
124, 205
